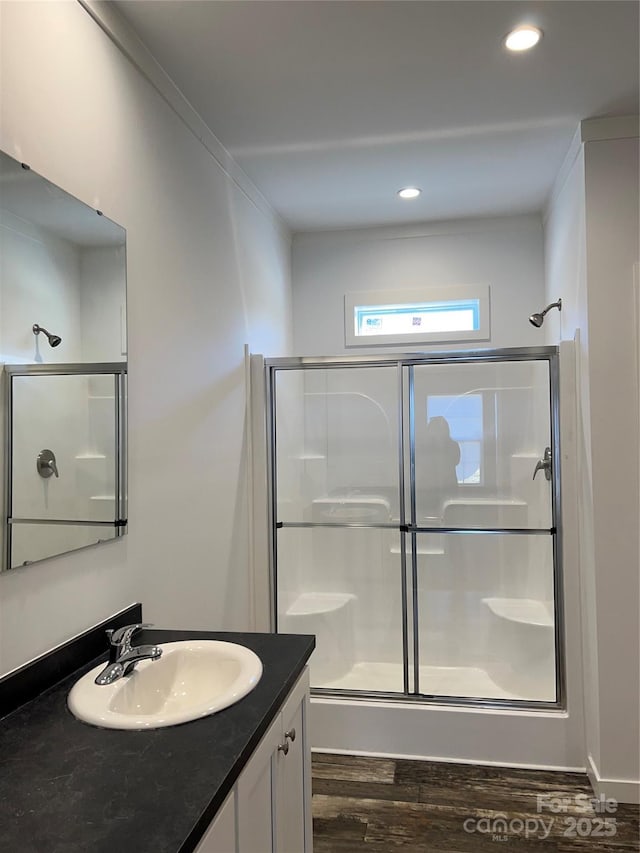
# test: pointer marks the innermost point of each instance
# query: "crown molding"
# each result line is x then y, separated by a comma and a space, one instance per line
616, 127
111, 22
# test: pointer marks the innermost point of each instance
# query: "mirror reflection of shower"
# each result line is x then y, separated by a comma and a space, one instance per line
54, 340
538, 319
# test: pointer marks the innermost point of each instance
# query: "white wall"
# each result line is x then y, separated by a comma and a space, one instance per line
208, 270
565, 277
40, 283
612, 225
591, 235
103, 303
506, 254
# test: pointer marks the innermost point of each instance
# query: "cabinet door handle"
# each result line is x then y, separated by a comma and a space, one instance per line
284, 747
290, 735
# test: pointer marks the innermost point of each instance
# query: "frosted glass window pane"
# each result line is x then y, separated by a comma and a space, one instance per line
426, 314
412, 319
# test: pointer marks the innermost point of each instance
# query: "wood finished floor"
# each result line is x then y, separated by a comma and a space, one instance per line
376, 805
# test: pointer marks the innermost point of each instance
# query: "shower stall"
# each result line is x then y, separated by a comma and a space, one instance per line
415, 524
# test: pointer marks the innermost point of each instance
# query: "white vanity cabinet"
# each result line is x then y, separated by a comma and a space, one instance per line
293, 779
221, 835
269, 809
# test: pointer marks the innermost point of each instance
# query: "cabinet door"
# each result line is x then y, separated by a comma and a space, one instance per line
256, 796
293, 786
221, 835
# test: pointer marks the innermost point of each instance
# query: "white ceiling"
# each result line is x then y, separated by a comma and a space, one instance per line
330, 107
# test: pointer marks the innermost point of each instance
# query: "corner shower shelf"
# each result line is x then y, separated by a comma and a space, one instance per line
306, 457
485, 502
430, 552
316, 603
525, 611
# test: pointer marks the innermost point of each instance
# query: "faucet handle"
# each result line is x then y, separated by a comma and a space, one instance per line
121, 637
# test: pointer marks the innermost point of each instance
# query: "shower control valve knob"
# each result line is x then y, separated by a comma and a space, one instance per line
544, 464
46, 464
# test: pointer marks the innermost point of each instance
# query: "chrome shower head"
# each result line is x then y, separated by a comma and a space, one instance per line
54, 340
538, 319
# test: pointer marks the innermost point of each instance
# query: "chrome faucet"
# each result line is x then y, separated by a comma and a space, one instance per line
123, 656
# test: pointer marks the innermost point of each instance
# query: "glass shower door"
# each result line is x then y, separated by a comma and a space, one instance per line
339, 567
414, 523
482, 532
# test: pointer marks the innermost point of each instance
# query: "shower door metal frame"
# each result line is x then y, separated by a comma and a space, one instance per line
407, 527
119, 371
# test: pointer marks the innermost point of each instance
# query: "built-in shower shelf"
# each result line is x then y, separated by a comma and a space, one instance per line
101, 397
526, 611
429, 552
83, 457
485, 502
102, 498
306, 457
319, 603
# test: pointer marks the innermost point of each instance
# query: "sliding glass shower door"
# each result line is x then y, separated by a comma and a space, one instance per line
414, 523
338, 544
482, 534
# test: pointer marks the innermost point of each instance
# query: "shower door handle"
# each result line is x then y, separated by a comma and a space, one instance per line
544, 464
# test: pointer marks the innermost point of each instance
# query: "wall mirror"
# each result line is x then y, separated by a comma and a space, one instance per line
63, 368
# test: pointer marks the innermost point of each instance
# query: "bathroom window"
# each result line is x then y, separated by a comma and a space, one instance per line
464, 414
433, 315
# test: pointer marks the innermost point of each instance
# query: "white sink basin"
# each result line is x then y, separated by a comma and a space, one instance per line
193, 678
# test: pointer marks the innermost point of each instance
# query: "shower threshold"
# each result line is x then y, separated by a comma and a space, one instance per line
456, 681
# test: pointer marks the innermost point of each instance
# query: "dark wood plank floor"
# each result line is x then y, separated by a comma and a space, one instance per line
377, 805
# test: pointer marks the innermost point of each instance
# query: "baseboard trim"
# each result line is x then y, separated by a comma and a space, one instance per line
622, 790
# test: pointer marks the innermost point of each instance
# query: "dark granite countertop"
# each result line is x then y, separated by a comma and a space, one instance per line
67, 787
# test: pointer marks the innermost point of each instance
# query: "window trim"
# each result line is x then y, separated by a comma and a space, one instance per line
361, 299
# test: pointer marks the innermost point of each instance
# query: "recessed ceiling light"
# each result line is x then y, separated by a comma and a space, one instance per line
409, 192
523, 38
